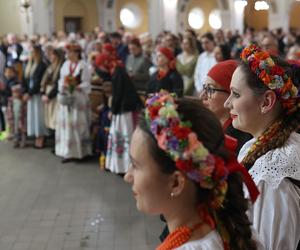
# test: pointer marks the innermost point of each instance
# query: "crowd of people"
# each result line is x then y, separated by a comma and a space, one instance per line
199, 125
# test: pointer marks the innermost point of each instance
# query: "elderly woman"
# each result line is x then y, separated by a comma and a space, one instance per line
73, 119
264, 102
183, 168
137, 65
166, 77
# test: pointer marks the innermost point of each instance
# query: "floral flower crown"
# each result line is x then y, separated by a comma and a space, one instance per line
175, 137
272, 75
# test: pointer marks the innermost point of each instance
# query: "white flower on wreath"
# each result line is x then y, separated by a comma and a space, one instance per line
276, 83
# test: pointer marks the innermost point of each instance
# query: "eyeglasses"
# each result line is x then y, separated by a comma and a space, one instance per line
209, 90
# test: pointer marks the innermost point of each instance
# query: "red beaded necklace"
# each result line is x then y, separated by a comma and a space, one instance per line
72, 67
177, 238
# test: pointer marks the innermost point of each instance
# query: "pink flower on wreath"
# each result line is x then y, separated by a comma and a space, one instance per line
161, 139
193, 143
164, 98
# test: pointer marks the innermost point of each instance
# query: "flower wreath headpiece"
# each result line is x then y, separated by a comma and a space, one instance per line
273, 76
175, 137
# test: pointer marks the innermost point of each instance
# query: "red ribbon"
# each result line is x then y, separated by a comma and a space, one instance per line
227, 123
233, 166
230, 143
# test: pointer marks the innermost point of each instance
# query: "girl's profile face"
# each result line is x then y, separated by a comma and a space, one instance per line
151, 188
245, 107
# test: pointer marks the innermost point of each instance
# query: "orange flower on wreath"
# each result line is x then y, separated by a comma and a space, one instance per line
261, 55
246, 52
265, 77
286, 87
254, 65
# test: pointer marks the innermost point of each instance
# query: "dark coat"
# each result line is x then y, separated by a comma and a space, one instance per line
242, 137
172, 82
36, 77
124, 95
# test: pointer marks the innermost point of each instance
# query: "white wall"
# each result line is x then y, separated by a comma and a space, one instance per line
43, 16
10, 17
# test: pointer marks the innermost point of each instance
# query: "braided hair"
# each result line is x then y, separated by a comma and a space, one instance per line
278, 133
232, 215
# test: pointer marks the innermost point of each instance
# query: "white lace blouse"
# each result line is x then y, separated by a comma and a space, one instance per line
276, 212
210, 241
213, 241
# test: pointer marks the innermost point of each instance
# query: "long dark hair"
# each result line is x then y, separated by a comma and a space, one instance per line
225, 50
209, 130
285, 124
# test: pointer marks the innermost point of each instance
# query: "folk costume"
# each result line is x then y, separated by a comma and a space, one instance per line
72, 135
125, 107
276, 213
170, 80
176, 138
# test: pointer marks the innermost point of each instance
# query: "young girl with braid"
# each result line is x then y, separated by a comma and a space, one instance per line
265, 102
184, 168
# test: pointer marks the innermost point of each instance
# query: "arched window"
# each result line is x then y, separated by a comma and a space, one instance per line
130, 16
214, 19
196, 18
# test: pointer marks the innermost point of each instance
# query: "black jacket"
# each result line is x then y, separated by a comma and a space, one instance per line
36, 78
124, 95
242, 137
172, 82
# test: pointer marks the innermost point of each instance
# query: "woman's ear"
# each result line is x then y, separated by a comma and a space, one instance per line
268, 102
178, 182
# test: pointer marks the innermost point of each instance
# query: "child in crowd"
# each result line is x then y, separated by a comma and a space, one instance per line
16, 109
102, 129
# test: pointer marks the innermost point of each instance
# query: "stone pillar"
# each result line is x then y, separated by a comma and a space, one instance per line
170, 15
100, 8
156, 17
226, 19
279, 15
39, 18
237, 9
43, 20
108, 15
